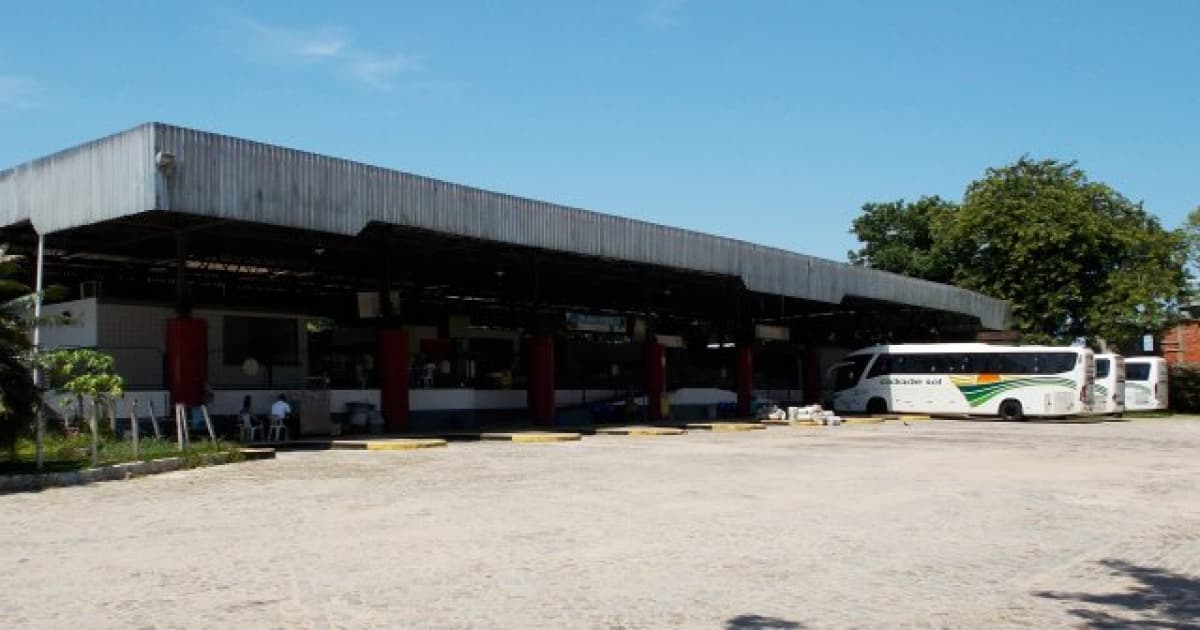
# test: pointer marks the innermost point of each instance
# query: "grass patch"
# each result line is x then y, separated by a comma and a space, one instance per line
1157, 414
64, 453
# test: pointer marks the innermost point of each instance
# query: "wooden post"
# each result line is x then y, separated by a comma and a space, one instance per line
39, 439
95, 435
133, 427
212, 435
40, 436
180, 425
154, 420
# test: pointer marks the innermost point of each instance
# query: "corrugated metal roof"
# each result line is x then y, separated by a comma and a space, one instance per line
103, 179
227, 177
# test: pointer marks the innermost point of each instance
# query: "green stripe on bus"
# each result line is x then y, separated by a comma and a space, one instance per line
976, 395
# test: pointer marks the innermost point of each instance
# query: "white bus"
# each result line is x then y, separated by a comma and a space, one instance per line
966, 378
1145, 383
1109, 393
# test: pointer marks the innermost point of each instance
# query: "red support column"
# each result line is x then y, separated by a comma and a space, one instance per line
540, 395
187, 360
392, 361
656, 380
812, 377
744, 378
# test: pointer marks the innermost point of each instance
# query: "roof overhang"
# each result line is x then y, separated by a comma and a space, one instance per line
158, 167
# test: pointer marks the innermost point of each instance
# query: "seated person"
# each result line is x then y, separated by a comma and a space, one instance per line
280, 409
246, 413
247, 421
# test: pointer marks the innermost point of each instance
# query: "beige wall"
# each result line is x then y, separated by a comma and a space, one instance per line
80, 332
135, 334
222, 375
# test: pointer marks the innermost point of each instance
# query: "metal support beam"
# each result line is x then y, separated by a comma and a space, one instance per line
40, 420
183, 299
385, 279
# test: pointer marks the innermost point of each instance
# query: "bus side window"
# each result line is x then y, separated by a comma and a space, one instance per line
916, 364
1028, 363
1057, 362
949, 363
945, 363
1016, 363
961, 364
934, 364
980, 364
1000, 363
881, 367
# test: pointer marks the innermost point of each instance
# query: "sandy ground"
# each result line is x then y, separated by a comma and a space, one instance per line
937, 524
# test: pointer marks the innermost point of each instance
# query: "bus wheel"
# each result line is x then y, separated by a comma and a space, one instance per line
1011, 410
877, 406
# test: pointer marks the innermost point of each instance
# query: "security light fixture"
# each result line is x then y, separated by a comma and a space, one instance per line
165, 162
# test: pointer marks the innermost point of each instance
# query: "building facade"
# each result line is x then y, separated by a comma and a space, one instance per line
214, 268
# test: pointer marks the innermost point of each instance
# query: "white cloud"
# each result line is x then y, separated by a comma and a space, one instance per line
328, 46
287, 44
663, 13
18, 93
324, 47
380, 71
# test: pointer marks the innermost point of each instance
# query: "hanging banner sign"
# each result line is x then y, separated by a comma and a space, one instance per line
589, 322
772, 333
670, 341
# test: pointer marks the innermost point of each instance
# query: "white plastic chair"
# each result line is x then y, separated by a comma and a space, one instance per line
278, 431
250, 428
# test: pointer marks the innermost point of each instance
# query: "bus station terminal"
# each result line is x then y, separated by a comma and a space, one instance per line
216, 269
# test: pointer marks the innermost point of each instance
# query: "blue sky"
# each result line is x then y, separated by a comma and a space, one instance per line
771, 122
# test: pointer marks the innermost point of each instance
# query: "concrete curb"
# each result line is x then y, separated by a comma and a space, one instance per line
720, 427
401, 444
862, 420
544, 438
257, 453
114, 472
640, 431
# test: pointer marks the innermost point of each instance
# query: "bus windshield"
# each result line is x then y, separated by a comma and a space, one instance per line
848, 374
1102, 367
1137, 371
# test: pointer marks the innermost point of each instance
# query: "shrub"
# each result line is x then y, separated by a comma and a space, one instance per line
1184, 388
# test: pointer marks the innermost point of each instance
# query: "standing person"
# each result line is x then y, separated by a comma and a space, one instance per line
428, 371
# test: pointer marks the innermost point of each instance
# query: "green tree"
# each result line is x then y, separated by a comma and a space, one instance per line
84, 375
1075, 257
18, 396
87, 377
901, 237
1191, 235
